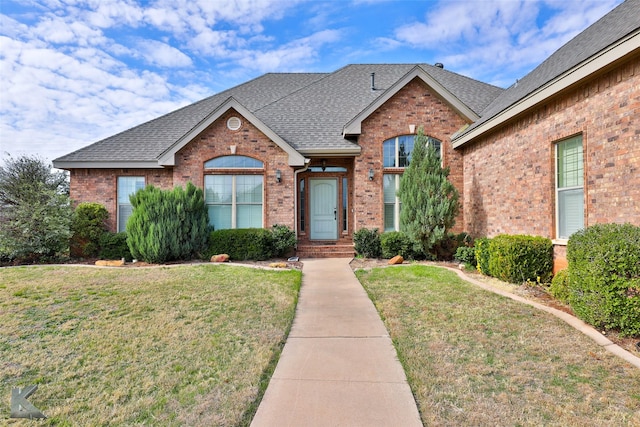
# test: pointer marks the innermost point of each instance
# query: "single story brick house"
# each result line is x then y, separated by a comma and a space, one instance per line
323, 153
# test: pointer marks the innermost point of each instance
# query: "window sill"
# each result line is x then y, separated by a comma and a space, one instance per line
560, 242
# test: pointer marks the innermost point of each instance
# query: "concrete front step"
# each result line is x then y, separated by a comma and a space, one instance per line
325, 251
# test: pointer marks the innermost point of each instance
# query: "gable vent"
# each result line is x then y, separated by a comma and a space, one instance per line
234, 123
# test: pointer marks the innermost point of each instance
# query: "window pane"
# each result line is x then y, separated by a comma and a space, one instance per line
249, 189
237, 162
124, 212
302, 205
389, 217
128, 185
389, 153
389, 188
570, 167
437, 144
345, 200
218, 188
405, 147
220, 216
571, 212
249, 216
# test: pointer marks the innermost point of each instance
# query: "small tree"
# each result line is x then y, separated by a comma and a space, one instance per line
429, 200
167, 225
35, 210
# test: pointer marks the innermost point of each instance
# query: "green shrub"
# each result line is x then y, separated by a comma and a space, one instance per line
445, 249
242, 244
167, 225
520, 258
367, 243
394, 243
114, 246
482, 255
88, 225
466, 255
604, 269
284, 240
560, 286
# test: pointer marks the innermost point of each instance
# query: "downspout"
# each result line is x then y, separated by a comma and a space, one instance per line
295, 197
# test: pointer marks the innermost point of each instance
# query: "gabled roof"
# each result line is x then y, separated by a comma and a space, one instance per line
303, 113
609, 39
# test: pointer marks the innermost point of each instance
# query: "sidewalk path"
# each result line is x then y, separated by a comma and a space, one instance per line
338, 366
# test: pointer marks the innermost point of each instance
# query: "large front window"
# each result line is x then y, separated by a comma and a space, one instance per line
569, 187
127, 185
397, 156
234, 200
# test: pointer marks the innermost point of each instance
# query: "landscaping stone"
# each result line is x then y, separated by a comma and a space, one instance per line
278, 265
220, 258
110, 263
396, 260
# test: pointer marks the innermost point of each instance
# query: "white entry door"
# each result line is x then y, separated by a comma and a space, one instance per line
324, 208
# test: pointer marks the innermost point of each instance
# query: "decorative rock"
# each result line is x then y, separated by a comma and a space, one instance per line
110, 263
220, 258
396, 260
278, 265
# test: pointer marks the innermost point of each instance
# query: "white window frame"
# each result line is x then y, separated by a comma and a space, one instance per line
560, 190
119, 204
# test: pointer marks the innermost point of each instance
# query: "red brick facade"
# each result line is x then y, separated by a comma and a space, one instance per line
415, 104
509, 182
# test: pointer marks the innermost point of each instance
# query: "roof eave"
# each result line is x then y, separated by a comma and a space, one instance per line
331, 152
585, 69
85, 164
354, 127
168, 157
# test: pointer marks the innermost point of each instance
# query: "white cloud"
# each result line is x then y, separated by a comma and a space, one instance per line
162, 55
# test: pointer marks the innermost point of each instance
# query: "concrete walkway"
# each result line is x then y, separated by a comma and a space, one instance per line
338, 366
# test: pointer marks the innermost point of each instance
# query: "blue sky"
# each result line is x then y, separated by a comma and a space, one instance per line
75, 71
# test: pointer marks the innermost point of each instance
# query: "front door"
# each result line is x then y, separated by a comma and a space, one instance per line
324, 208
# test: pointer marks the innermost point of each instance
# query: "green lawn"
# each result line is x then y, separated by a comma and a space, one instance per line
476, 358
187, 345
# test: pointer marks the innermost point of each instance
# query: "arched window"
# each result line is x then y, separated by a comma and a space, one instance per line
233, 188
397, 156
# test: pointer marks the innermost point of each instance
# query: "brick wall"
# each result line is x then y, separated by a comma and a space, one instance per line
248, 141
415, 104
100, 186
509, 180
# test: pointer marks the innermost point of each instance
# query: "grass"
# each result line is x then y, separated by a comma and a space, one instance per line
476, 358
188, 345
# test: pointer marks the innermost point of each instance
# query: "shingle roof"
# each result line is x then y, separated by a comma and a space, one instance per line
615, 25
308, 111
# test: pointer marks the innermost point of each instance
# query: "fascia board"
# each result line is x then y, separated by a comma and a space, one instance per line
72, 164
332, 152
578, 73
354, 127
168, 157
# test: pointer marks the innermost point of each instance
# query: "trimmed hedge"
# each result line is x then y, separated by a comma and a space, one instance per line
242, 244
88, 225
367, 243
604, 268
521, 258
114, 246
394, 243
466, 255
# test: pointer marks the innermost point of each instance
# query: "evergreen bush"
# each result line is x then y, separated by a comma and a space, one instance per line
466, 255
87, 226
256, 244
604, 276
284, 240
367, 243
394, 243
520, 258
167, 225
429, 200
114, 246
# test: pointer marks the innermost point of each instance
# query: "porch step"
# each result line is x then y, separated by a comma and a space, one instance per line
325, 251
